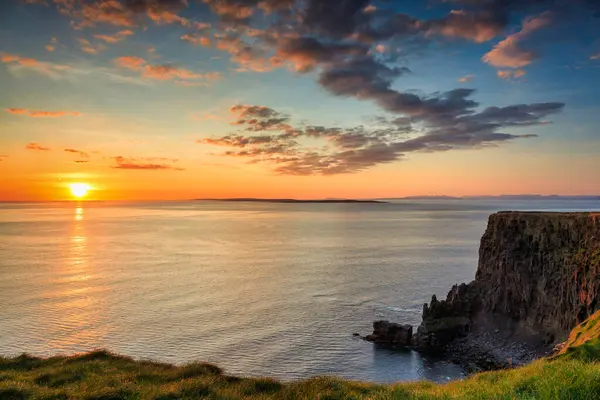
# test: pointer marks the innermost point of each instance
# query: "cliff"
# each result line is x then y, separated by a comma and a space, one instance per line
538, 276
541, 269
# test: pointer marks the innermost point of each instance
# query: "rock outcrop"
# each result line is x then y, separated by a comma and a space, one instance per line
447, 320
391, 334
538, 277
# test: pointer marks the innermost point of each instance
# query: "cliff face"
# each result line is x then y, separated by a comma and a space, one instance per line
541, 269
538, 277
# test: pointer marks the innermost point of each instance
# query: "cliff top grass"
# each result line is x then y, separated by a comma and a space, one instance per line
100, 375
584, 341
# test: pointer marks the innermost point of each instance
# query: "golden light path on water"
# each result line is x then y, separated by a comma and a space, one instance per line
79, 308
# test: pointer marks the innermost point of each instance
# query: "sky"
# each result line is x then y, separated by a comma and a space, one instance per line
181, 99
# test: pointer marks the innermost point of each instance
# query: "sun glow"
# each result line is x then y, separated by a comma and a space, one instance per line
79, 190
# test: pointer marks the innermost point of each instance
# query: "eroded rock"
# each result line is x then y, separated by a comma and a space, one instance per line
391, 334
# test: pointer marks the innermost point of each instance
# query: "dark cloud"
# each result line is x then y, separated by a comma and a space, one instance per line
354, 47
306, 53
145, 163
80, 153
259, 118
446, 122
477, 26
338, 19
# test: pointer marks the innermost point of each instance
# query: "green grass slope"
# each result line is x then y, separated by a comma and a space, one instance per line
572, 374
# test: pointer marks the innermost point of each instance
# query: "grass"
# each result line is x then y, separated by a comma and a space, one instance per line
100, 375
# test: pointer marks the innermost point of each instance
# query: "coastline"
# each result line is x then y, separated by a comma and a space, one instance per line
538, 276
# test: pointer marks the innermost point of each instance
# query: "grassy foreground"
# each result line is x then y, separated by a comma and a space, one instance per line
573, 374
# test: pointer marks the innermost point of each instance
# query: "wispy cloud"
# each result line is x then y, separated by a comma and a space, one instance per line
36, 147
269, 137
129, 14
508, 74
42, 114
90, 48
145, 163
163, 72
80, 153
197, 39
466, 78
17, 63
116, 37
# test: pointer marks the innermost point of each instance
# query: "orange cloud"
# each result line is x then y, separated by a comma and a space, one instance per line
124, 13
115, 38
466, 78
163, 72
17, 62
130, 62
146, 163
109, 12
50, 47
231, 10
89, 48
9, 58
36, 147
42, 114
478, 27
197, 40
161, 16
509, 74
509, 53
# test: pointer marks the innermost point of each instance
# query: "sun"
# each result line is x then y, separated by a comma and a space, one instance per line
79, 190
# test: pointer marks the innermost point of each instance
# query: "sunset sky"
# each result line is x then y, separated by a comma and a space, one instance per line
176, 99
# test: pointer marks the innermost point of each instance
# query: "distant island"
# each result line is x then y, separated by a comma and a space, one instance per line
499, 197
383, 200
294, 201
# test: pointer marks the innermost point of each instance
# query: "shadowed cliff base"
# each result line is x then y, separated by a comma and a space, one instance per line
538, 276
574, 373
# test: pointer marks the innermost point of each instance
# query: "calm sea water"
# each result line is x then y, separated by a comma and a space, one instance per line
259, 289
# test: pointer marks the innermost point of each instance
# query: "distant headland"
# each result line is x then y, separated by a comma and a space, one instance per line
294, 201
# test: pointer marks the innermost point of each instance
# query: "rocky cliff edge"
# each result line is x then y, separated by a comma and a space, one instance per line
538, 277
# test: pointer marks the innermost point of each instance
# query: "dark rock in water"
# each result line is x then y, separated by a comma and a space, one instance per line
391, 334
538, 277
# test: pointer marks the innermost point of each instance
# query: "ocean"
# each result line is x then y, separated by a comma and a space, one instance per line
260, 289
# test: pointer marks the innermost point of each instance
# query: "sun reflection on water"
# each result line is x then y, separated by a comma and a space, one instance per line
78, 298
79, 213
